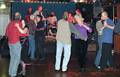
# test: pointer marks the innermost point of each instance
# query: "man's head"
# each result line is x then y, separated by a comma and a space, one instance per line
17, 16
30, 10
40, 8
104, 15
65, 15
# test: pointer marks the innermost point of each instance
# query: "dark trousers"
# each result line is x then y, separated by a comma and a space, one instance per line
25, 46
106, 55
81, 52
40, 46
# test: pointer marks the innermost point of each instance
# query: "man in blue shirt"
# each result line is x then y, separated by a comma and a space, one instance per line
107, 39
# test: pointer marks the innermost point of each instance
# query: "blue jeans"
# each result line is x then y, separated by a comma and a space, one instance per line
31, 46
67, 53
99, 52
15, 53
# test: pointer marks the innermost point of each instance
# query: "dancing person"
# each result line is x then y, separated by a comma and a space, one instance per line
40, 38
63, 38
107, 42
81, 45
32, 26
24, 43
99, 25
13, 35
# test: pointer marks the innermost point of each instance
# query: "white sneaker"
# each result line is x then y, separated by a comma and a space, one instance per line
57, 69
64, 70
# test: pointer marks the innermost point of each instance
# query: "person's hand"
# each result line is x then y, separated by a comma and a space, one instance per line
105, 24
17, 25
44, 19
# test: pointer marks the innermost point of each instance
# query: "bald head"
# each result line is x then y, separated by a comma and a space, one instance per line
17, 16
65, 15
104, 15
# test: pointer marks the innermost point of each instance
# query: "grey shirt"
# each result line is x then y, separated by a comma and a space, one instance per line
98, 27
63, 32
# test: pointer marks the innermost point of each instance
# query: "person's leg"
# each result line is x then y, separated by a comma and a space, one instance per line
37, 45
105, 55
110, 61
24, 51
83, 53
67, 54
23, 71
42, 48
99, 52
77, 50
15, 53
32, 47
29, 51
58, 55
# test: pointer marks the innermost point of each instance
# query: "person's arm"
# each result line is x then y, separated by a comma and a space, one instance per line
81, 22
23, 31
87, 28
74, 30
39, 29
36, 13
108, 26
50, 32
102, 27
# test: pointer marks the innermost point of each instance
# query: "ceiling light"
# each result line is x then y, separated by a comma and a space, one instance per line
2, 6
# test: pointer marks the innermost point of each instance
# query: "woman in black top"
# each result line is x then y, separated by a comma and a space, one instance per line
40, 38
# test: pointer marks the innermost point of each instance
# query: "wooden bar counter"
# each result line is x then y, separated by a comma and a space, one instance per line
117, 43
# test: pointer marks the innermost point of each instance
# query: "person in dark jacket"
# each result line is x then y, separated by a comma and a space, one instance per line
40, 38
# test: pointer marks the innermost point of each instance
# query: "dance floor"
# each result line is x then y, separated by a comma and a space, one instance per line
46, 68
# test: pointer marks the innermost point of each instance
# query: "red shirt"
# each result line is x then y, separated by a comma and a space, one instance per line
13, 33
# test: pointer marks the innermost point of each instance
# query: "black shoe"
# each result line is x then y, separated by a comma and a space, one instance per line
57, 71
42, 59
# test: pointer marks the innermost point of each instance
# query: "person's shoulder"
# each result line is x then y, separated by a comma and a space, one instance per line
60, 20
99, 21
109, 20
11, 22
76, 16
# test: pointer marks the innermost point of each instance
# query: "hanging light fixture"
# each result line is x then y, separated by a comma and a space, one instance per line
3, 6
78, 1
